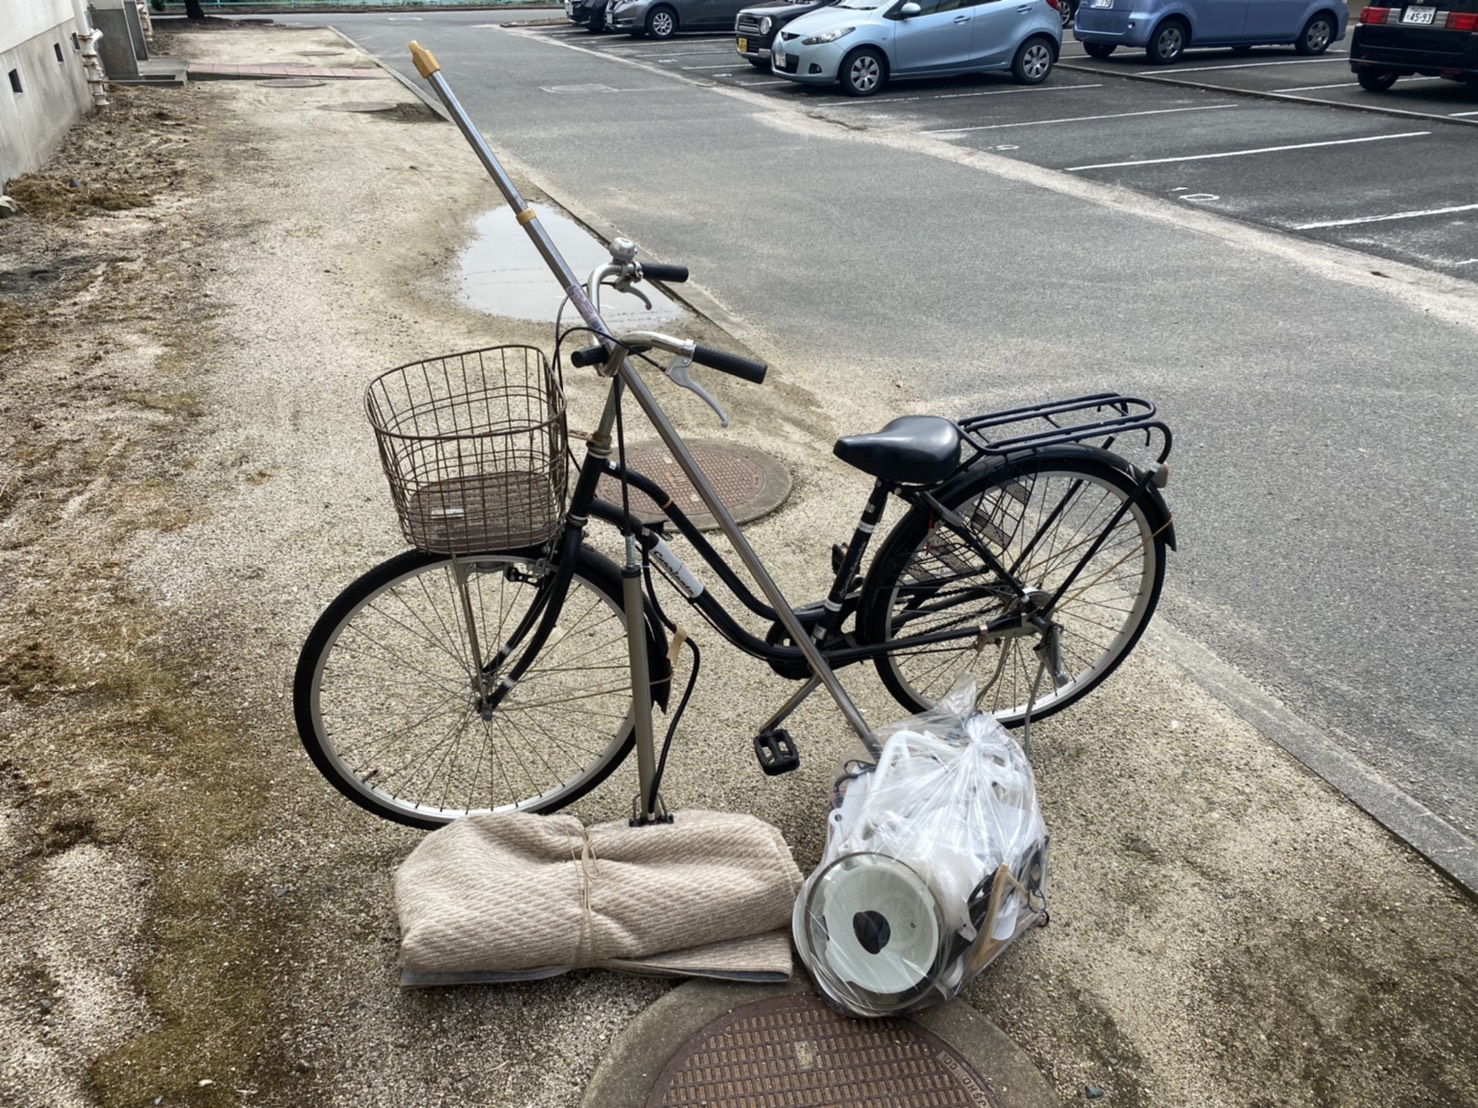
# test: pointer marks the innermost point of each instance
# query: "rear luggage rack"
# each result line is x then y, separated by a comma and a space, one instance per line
1103, 416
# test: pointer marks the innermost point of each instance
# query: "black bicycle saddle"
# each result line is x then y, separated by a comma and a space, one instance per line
910, 450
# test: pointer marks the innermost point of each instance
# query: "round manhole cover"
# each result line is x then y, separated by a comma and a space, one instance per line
796, 1050
290, 82
749, 484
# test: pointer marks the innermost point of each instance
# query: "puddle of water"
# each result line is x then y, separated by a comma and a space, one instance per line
501, 273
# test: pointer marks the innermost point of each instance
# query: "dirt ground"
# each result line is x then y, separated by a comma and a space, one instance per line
201, 284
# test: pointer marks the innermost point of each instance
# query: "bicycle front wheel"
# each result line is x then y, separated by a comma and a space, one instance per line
386, 690
1039, 516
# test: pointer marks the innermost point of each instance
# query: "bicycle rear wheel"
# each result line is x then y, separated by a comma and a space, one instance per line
1039, 516
385, 691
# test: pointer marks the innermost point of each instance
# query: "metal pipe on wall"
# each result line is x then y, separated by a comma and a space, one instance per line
88, 35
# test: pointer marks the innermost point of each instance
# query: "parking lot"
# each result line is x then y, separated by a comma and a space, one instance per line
1266, 136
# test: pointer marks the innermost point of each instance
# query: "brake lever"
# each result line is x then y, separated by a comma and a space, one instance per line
625, 284
677, 372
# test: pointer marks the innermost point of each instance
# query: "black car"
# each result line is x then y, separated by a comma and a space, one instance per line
1436, 39
590, 14
755, 28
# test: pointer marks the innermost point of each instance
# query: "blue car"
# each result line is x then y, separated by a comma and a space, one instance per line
863, 44
1164, 29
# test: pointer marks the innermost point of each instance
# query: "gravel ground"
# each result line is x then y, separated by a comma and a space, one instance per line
192, 916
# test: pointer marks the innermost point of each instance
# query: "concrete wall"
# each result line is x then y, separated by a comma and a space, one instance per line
122, 46
53, 92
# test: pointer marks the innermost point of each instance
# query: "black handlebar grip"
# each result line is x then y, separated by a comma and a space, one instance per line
656, 271
594, 355
731, 364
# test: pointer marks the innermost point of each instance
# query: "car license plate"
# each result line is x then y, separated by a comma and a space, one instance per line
1103, 3
744, 46
778, 57
1418, 15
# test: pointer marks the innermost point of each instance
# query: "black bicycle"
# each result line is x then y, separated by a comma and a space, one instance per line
506, 663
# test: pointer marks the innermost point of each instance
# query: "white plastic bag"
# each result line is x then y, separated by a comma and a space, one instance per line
935, 860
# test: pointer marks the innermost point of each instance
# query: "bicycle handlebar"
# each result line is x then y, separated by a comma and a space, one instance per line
622, 267
657, 271
593, 355
732, 364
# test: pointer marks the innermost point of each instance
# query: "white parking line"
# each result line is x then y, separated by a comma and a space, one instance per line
1460, 115
865, 103
1242, 153
1248, 65
696, 68
1352, 84
636, 46
1074, 119
1004, 91
1388, 218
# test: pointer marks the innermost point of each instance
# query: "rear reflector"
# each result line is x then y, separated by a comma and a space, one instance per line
1375, 15
1462, 21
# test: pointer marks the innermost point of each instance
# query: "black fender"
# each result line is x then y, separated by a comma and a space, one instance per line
988, 465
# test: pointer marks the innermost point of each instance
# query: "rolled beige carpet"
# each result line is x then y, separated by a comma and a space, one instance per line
511, 896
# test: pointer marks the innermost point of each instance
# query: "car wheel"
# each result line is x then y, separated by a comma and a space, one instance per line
1167, 44
1375, 80
1033, 62
863, 72
662, 22
1067, 9
1317, 34
1098, 49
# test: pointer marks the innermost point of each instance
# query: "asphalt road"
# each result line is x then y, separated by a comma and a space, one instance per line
1189, 132
991, 244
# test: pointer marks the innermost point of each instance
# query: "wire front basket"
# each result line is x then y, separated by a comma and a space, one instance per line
474, 447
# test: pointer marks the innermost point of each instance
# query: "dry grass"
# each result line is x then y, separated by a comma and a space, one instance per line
53, 197
119, 728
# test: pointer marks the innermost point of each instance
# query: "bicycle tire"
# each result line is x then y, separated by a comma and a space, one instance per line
384, 702
926, 578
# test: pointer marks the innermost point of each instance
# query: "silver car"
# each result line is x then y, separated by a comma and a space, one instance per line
1163, 29
665, 18
865, 43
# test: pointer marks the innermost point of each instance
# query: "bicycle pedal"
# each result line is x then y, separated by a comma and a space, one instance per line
776, 752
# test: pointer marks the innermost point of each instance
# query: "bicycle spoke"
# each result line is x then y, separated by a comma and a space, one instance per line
396, 698
1046, 525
